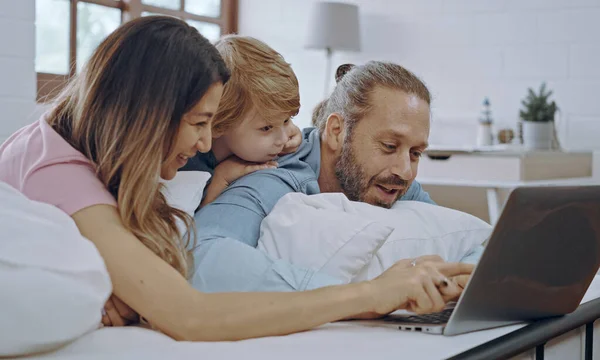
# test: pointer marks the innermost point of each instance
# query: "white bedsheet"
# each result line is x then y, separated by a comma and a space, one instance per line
344, 340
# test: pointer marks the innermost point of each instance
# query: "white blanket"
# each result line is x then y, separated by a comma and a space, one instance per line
344, 340
355, 241
53, 282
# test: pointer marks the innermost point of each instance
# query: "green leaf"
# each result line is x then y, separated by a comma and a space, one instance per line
537, 107
542, 88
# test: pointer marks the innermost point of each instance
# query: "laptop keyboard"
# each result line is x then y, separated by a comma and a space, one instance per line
441, 317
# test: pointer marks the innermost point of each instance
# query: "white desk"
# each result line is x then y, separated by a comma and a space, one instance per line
493, 188
497, 171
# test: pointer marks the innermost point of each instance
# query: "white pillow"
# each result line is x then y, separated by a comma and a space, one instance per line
184, 191
53, 281
309, 231
425, 229
315, 233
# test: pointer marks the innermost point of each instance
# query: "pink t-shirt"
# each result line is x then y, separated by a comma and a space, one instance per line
38, 162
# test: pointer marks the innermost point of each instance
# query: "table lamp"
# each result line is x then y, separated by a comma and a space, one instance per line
333, 26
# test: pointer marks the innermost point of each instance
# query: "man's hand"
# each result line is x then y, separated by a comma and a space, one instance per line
117, 313
460, 280
421, 288
294, 139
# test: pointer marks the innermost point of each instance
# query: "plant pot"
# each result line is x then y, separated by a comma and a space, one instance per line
538, 135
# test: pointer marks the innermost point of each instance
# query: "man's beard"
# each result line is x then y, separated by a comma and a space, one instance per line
354, 182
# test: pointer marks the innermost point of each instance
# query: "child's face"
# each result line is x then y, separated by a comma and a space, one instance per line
256, 139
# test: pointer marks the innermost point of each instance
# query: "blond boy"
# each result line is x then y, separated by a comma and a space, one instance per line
252, 126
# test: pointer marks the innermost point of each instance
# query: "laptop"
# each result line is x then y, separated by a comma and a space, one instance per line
538, 262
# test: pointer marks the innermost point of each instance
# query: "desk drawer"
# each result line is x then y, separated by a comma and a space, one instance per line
508, 167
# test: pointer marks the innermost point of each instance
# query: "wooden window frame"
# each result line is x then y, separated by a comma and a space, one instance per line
49, 85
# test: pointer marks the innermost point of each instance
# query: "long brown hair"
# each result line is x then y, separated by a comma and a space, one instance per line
123, 112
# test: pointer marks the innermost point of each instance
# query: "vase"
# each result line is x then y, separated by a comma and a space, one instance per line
538, 135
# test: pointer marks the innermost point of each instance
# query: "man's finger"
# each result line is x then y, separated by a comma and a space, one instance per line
450, 292
461, 280
421, 302
455, 269
437, 302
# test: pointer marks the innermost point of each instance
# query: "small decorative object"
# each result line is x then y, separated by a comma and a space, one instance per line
485, 136
506, 136
538, 120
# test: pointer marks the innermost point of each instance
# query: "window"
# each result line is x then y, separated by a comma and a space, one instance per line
68, 31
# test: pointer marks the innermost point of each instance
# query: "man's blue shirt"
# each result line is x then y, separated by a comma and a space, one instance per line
228, 229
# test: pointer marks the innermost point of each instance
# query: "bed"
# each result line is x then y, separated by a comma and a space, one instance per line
355, 340
51, 301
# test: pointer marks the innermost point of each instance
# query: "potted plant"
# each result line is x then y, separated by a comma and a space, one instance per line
538, 119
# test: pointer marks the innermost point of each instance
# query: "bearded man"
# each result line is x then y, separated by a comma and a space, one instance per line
369, 138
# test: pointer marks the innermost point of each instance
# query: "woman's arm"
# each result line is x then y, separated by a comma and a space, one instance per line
160, 294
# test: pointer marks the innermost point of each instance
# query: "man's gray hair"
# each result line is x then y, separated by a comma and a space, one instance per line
351, 96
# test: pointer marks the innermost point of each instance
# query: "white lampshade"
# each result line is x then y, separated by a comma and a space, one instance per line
334, 26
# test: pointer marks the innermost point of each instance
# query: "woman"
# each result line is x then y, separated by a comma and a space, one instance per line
141, 107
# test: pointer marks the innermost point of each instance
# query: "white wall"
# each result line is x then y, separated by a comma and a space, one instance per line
464, 50
17, 70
